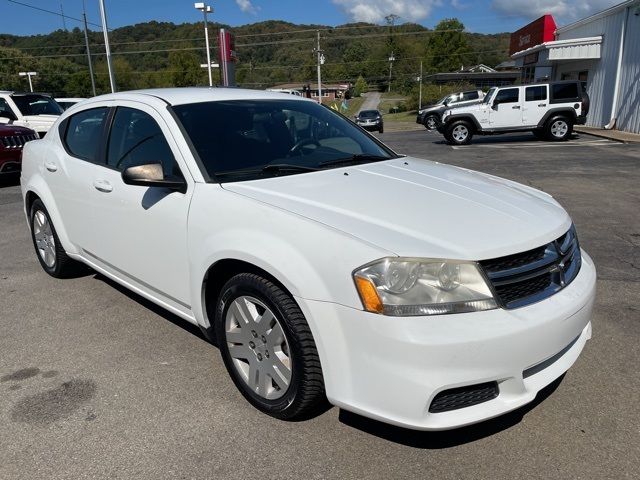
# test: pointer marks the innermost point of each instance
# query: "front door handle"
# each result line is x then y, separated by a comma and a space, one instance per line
103, 186
516, 107
52, 167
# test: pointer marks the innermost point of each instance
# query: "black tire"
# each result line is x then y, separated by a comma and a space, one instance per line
558, 129
455, 133
305, 395
381, 130
63, 266
431, 122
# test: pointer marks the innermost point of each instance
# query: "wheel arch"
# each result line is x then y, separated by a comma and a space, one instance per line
557, 113
467, 118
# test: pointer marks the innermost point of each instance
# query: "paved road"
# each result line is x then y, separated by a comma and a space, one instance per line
97, 383
371, 102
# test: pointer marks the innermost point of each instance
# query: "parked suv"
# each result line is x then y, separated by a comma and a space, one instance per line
12, 139
430, 116
549, 110
36, 111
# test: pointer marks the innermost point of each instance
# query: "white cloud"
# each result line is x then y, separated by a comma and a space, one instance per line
562, 10
247, 7
374, 11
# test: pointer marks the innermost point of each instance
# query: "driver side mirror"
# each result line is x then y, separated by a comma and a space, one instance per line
152, 175
495, 104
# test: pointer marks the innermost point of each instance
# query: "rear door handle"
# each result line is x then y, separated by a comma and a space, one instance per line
516, 107
52, 167
103, 186
542, 104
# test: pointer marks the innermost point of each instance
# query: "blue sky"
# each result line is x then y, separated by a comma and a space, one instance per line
486, 16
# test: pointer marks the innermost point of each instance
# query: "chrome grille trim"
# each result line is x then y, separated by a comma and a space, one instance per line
529, 277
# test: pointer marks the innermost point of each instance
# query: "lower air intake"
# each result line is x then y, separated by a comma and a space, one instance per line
462, 397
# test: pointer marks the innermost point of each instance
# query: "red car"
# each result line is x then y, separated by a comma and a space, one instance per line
12, 139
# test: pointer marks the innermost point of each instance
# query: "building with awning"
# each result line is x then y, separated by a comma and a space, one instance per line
602, 50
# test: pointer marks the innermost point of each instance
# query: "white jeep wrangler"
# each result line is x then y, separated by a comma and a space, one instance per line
549, 110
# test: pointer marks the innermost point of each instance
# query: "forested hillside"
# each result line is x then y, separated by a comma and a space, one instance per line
164, 54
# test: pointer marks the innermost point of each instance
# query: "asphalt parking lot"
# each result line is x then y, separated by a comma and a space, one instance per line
95, 382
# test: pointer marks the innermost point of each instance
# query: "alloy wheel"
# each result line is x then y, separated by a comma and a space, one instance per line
559, 128
45, 242
258, 347
460, 133
431, 122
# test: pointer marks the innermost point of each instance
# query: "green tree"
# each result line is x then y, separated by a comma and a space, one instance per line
360, 87
185, 69
448, 49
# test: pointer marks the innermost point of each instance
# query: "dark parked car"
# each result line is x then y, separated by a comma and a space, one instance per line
370, 120
12, 139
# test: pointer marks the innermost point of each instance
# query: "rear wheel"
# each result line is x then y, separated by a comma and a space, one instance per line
559, 129
53, 259
459, 133
268, 349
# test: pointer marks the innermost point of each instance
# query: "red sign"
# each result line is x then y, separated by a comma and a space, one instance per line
539, 31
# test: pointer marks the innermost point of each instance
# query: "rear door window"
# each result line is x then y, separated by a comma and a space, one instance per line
83, 135
536, 94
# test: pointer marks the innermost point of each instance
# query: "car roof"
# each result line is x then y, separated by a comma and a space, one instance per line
186, 95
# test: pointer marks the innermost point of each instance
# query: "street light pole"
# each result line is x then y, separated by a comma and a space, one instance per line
28, 75
204, 8
107, 48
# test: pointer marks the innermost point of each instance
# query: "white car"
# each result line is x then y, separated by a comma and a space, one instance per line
31, 110
324, 265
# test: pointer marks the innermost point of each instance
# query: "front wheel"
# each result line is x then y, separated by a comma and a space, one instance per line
268, 348
559, 129
431, 122
459, 133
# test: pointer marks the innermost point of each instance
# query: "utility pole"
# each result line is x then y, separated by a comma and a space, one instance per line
392, 59
86, 42
64, 23
391, 21
320, 55
105, 31
420, 94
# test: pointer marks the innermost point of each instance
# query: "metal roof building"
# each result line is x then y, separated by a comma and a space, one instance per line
604, 51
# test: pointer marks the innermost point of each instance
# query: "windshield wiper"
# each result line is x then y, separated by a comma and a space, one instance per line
287, 167
355, 159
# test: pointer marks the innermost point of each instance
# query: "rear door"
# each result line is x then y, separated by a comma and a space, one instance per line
536, 101
506, 111
68, 171
140, 233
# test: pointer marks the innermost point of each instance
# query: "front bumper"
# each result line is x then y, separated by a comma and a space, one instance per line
390, 369
370, 126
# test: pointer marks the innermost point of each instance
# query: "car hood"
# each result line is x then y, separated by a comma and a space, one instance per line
414, 207
38, 120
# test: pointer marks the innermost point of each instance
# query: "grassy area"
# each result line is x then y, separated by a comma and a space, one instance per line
400, 117
390, 100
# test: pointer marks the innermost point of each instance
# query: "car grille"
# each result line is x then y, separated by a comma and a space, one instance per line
17, 141
534, 275
462, 397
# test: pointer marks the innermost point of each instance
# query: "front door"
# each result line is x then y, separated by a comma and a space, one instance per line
140, 233
506, 111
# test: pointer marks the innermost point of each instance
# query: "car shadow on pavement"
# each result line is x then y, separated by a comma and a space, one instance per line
447, 438
158, 310
9, 180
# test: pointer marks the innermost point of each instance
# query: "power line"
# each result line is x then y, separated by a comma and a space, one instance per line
51, 12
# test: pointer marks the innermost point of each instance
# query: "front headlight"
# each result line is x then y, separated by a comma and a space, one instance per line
414, 286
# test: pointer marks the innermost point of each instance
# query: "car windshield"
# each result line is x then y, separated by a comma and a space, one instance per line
369, 114
489, 94
36, 105
249, 139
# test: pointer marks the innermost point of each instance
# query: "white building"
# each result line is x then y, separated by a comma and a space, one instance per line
604, 51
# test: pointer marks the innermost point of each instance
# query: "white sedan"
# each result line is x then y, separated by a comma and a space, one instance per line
324, 265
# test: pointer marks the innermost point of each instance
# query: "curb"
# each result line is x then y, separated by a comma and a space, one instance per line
597, 134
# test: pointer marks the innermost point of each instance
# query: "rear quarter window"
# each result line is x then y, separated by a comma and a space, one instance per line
83, 133
564, 92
